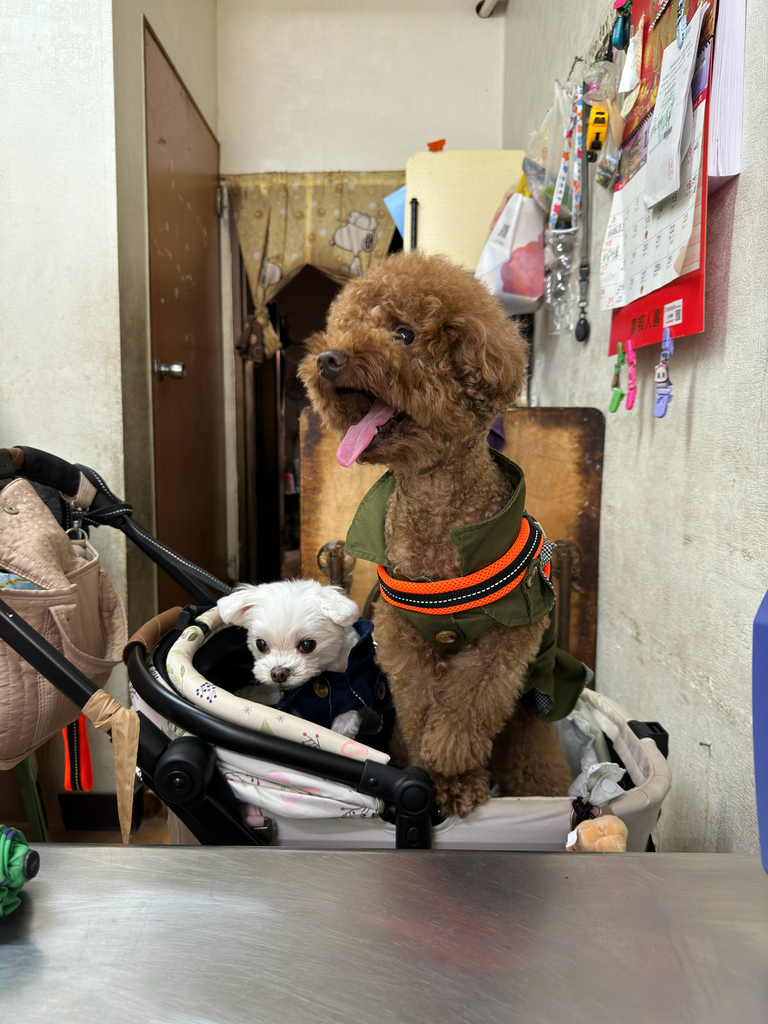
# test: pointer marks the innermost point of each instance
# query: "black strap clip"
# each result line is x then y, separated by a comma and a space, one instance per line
7, 472
582, 809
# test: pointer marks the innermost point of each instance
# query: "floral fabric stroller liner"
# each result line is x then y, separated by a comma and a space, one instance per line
273, 789
309, 812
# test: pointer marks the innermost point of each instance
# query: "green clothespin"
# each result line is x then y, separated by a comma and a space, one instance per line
617, 394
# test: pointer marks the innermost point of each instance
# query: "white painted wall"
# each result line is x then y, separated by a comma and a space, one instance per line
354, 84
73, 276
684, 558
60, 387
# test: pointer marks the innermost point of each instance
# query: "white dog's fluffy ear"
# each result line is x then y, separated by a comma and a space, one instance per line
234, 607
336, 606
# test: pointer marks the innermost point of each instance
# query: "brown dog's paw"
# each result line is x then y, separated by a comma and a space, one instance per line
457, 751
460, 794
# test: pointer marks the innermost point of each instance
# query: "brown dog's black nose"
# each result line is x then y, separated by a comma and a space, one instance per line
280, 674
331, 363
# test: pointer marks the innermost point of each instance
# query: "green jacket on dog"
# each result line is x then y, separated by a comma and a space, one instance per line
556, 677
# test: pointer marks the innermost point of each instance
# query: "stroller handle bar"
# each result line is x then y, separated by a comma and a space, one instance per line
93, 503
409, 789
405, 792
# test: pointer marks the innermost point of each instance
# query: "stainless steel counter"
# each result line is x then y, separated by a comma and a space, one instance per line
190, 936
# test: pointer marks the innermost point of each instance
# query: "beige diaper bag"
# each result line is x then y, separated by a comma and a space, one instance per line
77, 609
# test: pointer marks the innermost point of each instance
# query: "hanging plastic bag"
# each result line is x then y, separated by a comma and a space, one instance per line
511, 265
562, 238
541, 162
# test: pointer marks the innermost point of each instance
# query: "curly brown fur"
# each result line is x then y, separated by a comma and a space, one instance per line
427, 339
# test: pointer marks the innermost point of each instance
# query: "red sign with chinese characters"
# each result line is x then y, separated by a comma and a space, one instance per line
678, 305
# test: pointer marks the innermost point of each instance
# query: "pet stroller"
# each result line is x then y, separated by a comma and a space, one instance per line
204, 751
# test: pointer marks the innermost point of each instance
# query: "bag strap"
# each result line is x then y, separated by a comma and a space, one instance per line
78, 774
7, 468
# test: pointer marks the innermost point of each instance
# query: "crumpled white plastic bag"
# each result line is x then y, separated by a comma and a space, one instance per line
598, 783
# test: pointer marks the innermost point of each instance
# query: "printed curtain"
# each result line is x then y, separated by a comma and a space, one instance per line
336, 222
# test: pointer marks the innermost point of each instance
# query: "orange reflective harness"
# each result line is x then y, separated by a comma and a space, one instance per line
438, 597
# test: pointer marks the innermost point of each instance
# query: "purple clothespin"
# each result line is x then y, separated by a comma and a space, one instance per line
661, 376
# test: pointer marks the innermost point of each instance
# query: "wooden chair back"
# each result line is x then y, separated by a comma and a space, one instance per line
561, 453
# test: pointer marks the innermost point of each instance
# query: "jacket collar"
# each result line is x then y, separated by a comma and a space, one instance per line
478, 544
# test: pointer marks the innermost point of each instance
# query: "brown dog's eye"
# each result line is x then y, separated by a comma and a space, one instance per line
307, 646
405, 334
262, 646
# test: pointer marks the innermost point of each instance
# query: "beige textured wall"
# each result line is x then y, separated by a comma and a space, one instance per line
684, 559
60, 387
73, 262
354, 84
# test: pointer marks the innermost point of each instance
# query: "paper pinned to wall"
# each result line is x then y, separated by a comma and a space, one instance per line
646, 249
670, 131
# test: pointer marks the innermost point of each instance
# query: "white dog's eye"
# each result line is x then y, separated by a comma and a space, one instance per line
405, 334
262, 645
306, 646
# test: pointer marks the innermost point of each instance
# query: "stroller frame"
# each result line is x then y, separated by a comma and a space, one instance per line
182, 771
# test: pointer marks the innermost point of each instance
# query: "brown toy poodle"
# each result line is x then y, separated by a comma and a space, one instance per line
416, 362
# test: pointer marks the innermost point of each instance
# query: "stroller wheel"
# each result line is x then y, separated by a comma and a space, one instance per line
184, 770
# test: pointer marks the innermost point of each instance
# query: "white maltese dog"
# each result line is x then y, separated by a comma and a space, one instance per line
297, 629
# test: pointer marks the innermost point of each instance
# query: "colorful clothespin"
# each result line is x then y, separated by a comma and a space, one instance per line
631, 375
620, 33
661, 376
617, 393
682, 25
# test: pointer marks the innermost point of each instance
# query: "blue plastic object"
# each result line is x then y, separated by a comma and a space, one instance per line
760, 720
395, 203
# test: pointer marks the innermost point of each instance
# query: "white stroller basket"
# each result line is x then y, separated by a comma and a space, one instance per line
310, 812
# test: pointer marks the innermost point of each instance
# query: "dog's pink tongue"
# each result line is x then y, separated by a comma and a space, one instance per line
360, 435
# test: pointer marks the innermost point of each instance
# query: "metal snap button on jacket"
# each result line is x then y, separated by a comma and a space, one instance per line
533, 571
381, 690
321, 688
446, 636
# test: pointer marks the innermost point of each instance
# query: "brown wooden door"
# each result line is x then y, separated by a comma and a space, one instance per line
185, 317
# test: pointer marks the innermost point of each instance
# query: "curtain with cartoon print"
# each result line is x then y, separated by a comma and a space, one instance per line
336, 222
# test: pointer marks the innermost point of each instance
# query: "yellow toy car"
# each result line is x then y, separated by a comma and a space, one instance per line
597, 129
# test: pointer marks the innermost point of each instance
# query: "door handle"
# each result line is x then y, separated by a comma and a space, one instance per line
163, 369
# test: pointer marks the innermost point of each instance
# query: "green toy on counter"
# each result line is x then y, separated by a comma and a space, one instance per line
17, 865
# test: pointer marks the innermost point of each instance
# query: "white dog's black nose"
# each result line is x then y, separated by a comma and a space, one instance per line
330, 363
280, 674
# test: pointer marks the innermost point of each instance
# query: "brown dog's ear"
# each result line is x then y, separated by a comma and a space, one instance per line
489, 357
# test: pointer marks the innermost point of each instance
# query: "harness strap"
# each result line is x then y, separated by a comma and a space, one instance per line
479, 588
